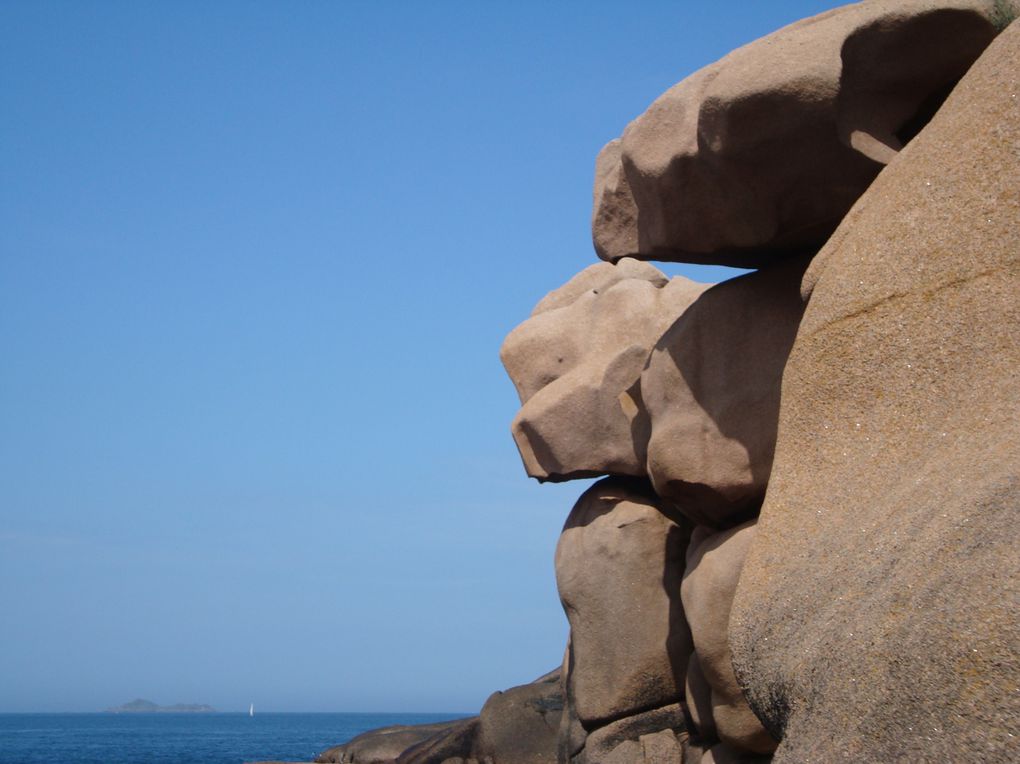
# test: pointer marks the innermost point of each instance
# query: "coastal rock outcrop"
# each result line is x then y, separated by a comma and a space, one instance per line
876, 616
714, 564
515, 725
710, 392
619, 563
522, 723
451, 746
652, 737
859, 392
384, 745
764, 151
582, 349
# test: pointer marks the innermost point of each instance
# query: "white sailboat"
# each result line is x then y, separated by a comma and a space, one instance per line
251, 710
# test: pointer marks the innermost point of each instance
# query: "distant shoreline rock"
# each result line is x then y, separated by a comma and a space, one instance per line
141, 706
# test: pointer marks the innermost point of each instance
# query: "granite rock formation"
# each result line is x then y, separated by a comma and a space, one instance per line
714, 565
877, 616
619, 563
805, 548
384, 745
515, 725
582, 349
763, 152
710, 392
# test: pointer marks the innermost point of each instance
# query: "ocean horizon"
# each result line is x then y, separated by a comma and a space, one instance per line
220, 737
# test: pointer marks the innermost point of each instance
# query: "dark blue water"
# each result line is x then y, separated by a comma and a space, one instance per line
182, 738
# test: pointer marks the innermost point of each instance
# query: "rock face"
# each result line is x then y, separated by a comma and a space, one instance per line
384, 745
452, 746
651, 737
764, 151
714, 564
520, 725
618, 568
516, 725
876, 617
583, 348
711, 393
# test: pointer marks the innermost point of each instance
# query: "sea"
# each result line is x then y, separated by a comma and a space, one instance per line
199, 738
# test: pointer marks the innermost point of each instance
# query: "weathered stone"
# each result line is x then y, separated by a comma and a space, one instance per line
598, 278
647, 734
519, 726
627, 752
453, 744
711, 393
619, 564
698, 693
384, 745
572, 735
714, 563
662, 747
615, 216
574, 360
764, 151
876, 616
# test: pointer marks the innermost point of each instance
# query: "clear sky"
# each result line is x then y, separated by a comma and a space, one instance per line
256, 263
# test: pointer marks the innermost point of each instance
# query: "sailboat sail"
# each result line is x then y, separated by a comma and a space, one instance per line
251, 710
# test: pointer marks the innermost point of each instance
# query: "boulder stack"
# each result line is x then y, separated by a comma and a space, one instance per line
804, 545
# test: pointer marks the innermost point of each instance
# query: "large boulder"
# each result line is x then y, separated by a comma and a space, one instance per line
520, 726
383, 745
574, 360
619, 564
452, 746
711, 394
515, 726
876, 615
714, 563
651, 737
764, 151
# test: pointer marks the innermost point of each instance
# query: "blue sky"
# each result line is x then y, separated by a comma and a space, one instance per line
256, 263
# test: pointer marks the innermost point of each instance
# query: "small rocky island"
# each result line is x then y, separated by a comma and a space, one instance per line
141, 706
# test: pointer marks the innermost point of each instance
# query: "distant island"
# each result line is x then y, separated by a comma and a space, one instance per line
141, 706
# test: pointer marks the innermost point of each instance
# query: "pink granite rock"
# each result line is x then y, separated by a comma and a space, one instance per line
876, 615
711, 393
714, 563
619, 563
575, 359
764, 151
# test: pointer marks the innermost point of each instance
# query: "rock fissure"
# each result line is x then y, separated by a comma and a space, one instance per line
923, 294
